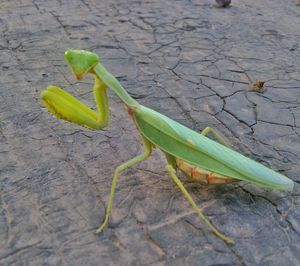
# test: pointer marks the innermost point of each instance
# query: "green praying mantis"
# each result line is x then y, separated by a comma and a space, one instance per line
197, 156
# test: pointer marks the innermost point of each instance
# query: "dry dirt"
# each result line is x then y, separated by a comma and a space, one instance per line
186, 59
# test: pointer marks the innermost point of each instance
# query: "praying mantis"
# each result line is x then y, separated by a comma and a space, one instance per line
197, 156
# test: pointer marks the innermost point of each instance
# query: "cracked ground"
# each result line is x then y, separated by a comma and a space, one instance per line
186, 59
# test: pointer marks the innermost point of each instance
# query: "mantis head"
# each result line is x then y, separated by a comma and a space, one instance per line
81, 62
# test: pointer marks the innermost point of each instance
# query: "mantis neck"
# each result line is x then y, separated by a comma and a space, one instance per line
114, 84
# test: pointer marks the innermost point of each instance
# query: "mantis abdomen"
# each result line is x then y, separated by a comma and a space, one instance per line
201, 175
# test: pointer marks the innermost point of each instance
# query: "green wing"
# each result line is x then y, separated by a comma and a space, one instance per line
203, 152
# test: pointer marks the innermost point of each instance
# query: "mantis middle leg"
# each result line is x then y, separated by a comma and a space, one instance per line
217, 135
119, 169
172, 172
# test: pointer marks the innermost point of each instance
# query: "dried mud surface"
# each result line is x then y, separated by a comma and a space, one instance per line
185, 59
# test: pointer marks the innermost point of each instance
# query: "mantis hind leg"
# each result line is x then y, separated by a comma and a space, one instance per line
119, 169
172, 172
217, 135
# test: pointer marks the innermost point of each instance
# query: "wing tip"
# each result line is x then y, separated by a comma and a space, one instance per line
285, 185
